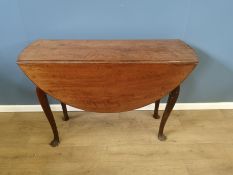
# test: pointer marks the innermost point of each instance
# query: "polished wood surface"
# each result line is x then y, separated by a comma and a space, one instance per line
107, 87
129, 74
48, 113
65, 113
156, 109
173, 96
108, 51
107, 76
201, 143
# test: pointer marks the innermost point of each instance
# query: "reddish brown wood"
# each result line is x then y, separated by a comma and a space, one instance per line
109, 51
108, 75
156, 110
173, 95
64, 109
107, 87
121, 81
46, 108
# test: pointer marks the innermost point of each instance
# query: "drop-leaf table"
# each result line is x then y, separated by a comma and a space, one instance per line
107, 75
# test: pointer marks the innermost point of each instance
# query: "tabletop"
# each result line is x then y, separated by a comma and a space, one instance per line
107, 75
108, 51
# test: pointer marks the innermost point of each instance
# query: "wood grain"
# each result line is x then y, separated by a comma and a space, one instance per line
107, 87
118, 144
109, 51
107, 76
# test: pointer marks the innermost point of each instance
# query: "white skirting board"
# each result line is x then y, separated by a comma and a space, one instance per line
178, 106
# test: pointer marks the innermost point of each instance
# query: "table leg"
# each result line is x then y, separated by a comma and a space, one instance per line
46, 108
173, 95
64, 109
156, 110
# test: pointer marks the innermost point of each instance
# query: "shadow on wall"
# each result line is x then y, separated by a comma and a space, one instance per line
14, 92
15, 88
20, 92
211, 81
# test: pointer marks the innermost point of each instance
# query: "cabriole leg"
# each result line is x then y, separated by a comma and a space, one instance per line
46, 108
64, 109
156, 110
173, 95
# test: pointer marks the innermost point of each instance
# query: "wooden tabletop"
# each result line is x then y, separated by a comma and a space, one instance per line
108, 51
68, 71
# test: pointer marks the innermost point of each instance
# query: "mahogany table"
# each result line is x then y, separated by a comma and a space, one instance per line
107, 75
